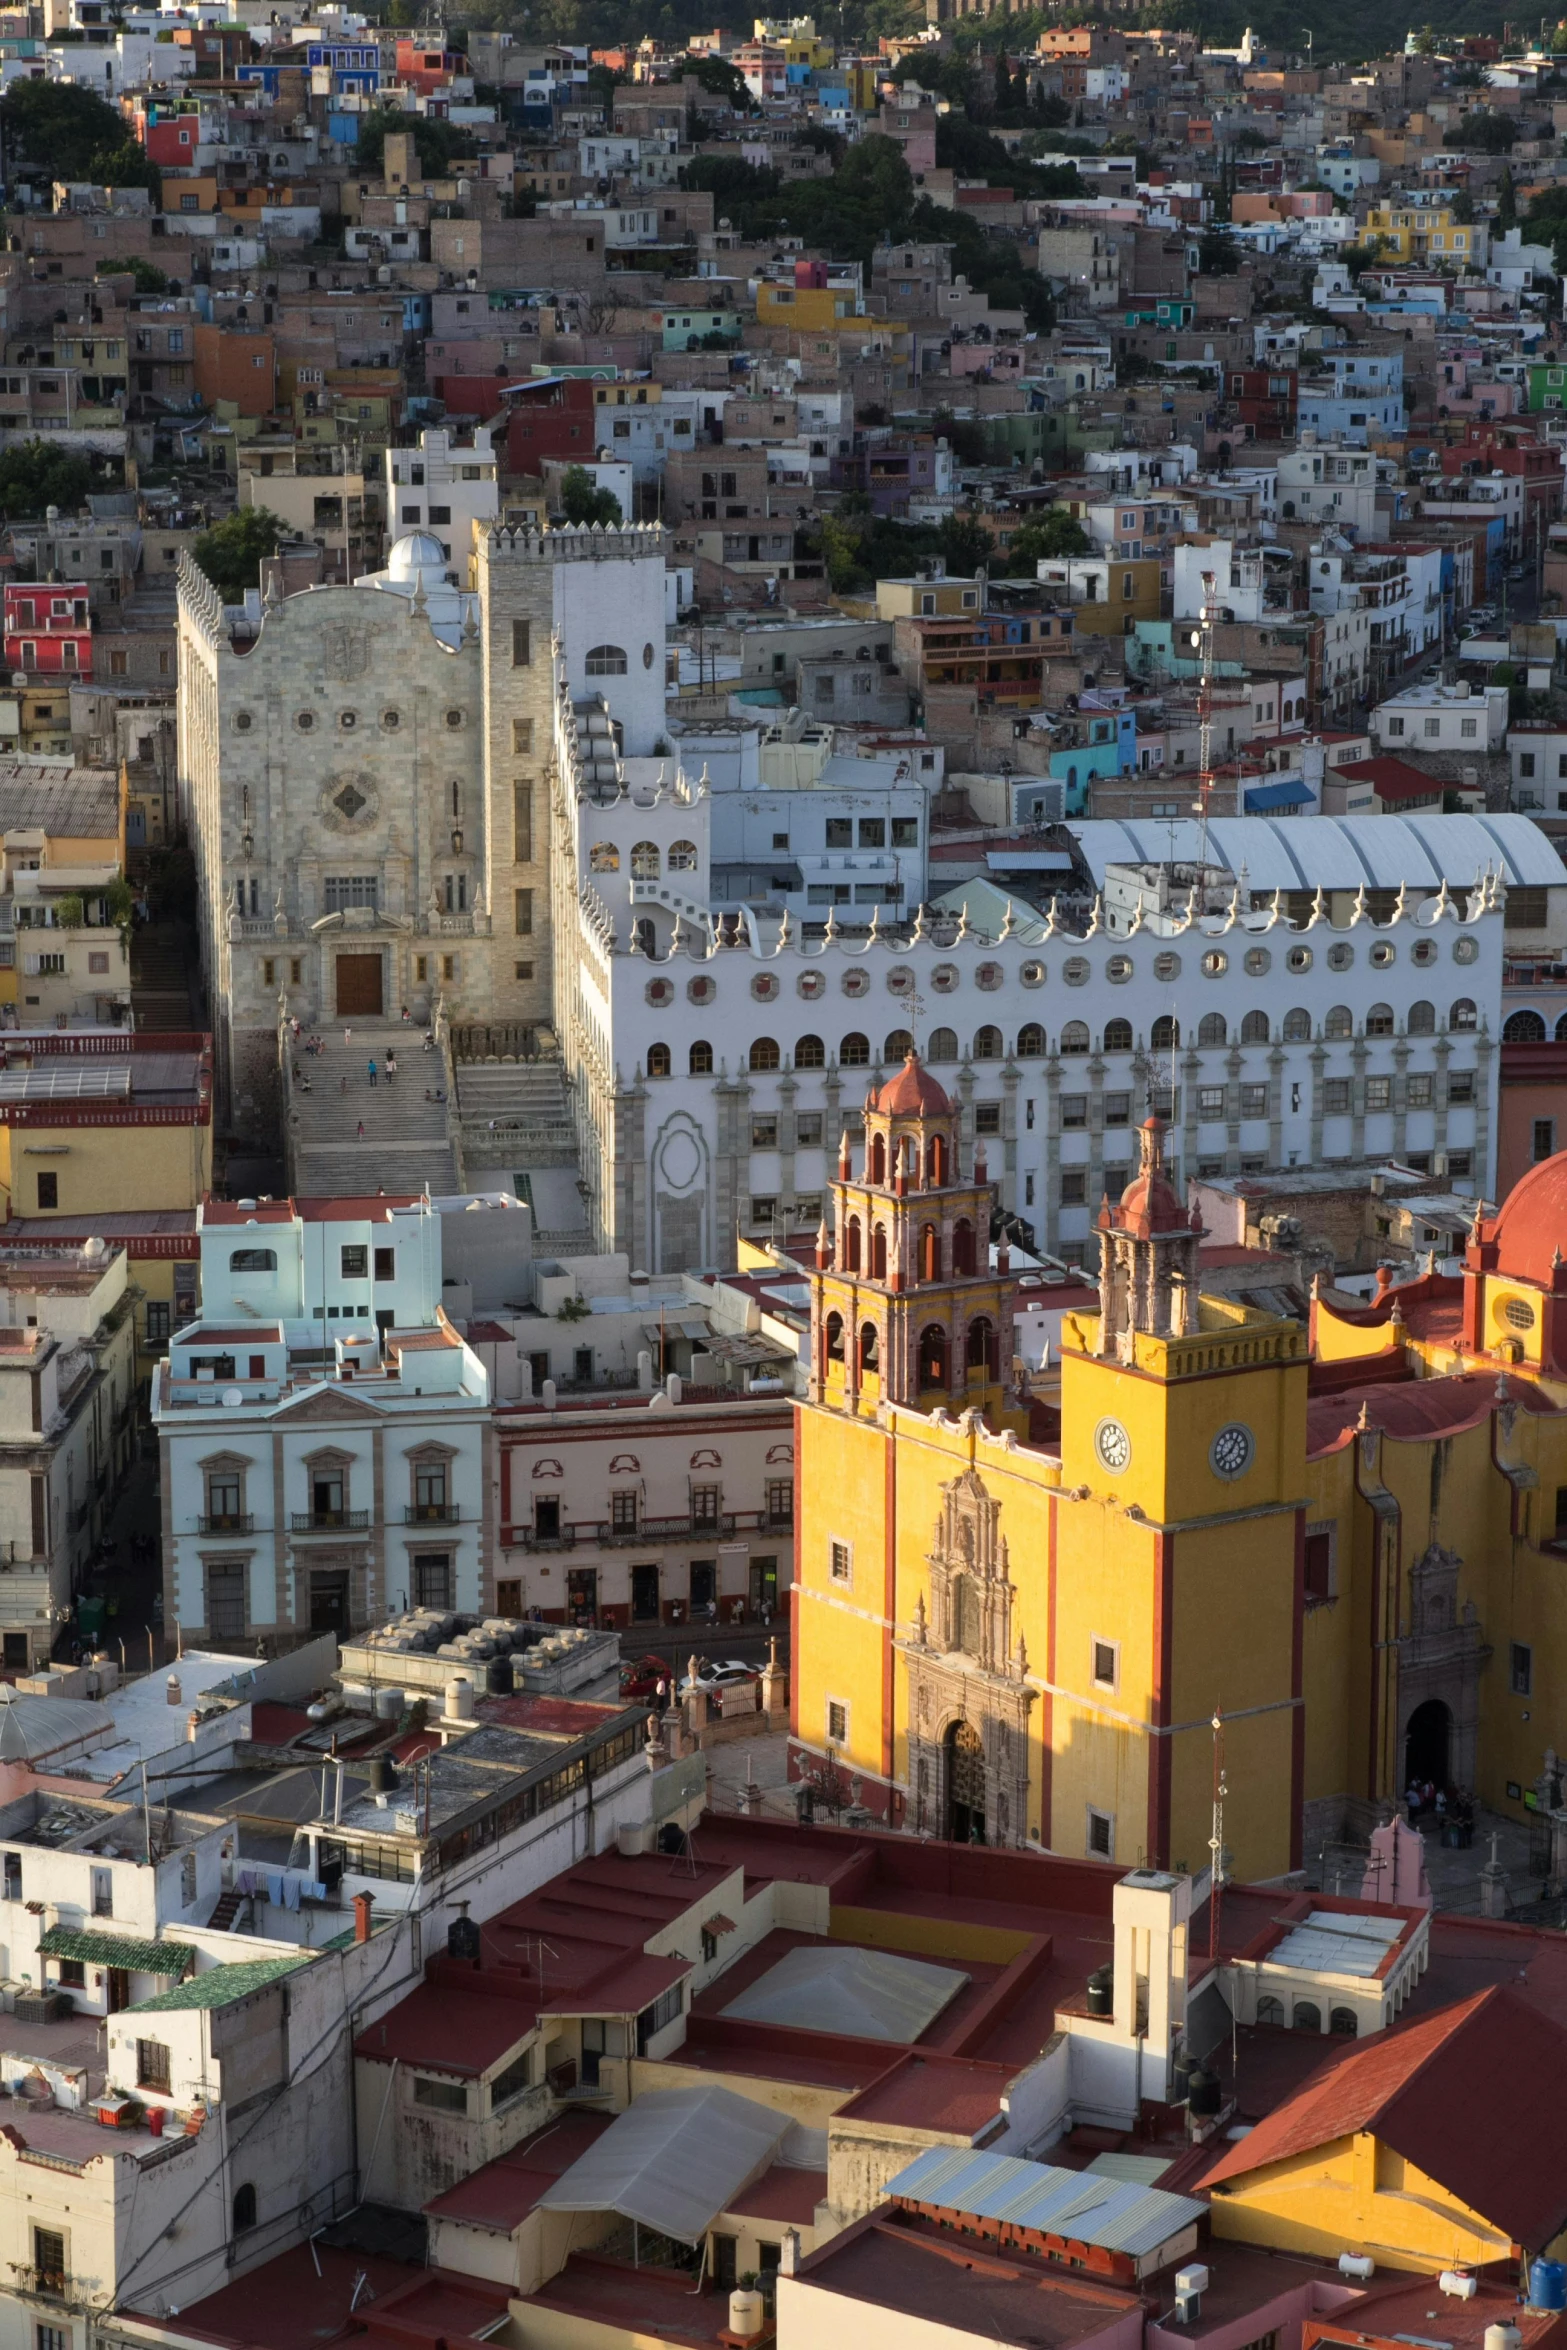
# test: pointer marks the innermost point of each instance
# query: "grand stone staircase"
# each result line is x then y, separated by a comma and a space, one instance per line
515, 1113
406, 1144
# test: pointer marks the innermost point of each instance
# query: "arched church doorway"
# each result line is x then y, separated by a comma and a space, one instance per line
965, 1784
1428, 1744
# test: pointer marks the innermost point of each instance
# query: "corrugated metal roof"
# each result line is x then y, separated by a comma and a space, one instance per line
1121, 2215
138, 1958
1330, 1942
222, 1984
673, 2160
1338, 852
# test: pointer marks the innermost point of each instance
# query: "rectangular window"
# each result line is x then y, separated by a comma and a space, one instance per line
49, 2260
1074, 1109
52, 2337
521, 644
355, 1262
386, 1264
522, 902
522, 736
522, 824
764, 1134
1417, 1091
840, 1561
1544, 1139
987, 1118
1210, 1101
1460, 1085
808, 1130
623, 1512
1335, 1097
432, 1579
1118, 1109
157, 1321
1319, 1576
1107, 1664
704, 1508
1521, 1669
1525, 910
1101, 1835
1074, 1187
152, 2065
440, 2096
837, 1722
1254, 1101
48, 1189
1460, 1165
226, 1607
780, 1502
1379, 1093
873, 832
350, 889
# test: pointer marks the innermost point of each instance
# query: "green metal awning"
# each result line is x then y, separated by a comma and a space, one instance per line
137, 1958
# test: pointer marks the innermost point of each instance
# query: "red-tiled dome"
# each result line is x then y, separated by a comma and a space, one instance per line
1149, 1203
1532, 1223
912, 1093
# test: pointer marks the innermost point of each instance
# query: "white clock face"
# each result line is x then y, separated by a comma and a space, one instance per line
1112, 1444
1232, 1450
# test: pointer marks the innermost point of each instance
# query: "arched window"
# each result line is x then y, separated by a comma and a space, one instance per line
855, 1051
879, 1253
1422, 1018
943, 1045
962, 1246
1211, 1029
1523, 1028
645, 863
658, 1062
1270, 2011
1297, 1026
981, 1344
253, 1260
878, 1165
810, 1053
606, 661
1074, 1037
1340, 1022
1345, 2020
1166, 1031
603, 857
1463, 1014
1379, 1020
898, 1046
936, 1160
851, 1245
1254, 1028
987, 1044
682, 856
835, 1338
645, 936
700, 1059
930, 1253
1118, 1036
764, 1053
933, 1356
1561, 1029
1307, 2016
244, 2208
868, 1355
1031, 1041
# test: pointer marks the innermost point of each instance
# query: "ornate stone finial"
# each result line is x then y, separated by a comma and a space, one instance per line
1008, 922
830, 932
1396, 1311
1357, 912
1275, 911
1444, 903
920, 1627
420, 603
1190, 916
1095, 914
1363, 1423
962, 925
785, 932
272, 596
1401, 902
920, 933
1022, 1658
703, 786
677, 937
873, 935
1136, 923
634, 947
1556, 1258
470, 623
1319, 909
1051, 924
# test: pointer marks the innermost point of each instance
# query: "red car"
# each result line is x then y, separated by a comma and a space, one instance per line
641, 1675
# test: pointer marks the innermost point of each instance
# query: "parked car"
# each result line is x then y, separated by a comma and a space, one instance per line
641, 1675
721, 1673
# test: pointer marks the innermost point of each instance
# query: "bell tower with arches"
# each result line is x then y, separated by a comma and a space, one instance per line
906, 1308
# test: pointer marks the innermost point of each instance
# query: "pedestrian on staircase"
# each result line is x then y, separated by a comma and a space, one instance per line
370, 1071
361, 1134
407, 1016
348, 1036
391, 1067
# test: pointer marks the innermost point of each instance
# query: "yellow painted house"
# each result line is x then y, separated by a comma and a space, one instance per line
1342, 1546
1420, 232
1408, 2147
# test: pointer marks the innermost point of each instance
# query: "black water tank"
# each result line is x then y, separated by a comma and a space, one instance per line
383, 1778
462, 1940
1203, 2094
499, 1679
1101, 1991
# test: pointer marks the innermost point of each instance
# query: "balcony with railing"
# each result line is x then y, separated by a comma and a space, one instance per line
227, 1522
328, 1521
431, 1513
598, 1533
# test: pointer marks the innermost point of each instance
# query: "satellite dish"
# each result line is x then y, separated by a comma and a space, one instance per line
233, 1397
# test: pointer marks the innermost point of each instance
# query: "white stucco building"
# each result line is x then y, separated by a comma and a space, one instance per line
324, 1431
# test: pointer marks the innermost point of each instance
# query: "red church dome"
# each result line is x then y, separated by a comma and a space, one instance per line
1531, 1226
912, 1093
1149, 1204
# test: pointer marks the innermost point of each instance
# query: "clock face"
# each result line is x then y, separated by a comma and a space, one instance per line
1112, 1444
1232, 1450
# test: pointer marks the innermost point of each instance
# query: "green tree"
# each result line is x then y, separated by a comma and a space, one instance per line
1506, 199
38, 474
436, 144
232, 551
720, 79
1045, 537
1484, 133
1218, 255
581, 499
55, 131
145, 275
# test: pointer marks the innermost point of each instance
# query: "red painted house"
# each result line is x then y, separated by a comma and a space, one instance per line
425, 68
554, 417
48, 627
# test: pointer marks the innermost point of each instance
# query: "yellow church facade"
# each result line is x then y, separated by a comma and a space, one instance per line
1339, 1544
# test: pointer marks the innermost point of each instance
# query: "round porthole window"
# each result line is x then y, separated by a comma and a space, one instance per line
856, 982
1465, 950
305, 721
1423, 952
811, 984
348, 720
944, 978
1383, 953
1032, 974
1340, 955
1215, 963
1119, 970
764, 986
242, 722
1518, 1313
1299, 959
391, 720
647, 655
701, 991
1076, 971
1258, 961
1167, 966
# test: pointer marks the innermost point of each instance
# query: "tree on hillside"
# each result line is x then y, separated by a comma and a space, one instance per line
1046, 537
35, 475
437, 144
232, 551
55, 131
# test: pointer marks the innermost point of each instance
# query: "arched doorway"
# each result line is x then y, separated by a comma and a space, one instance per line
965, 1784
1428, 1744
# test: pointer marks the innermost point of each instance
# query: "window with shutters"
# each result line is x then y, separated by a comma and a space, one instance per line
521, 644
522, 823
